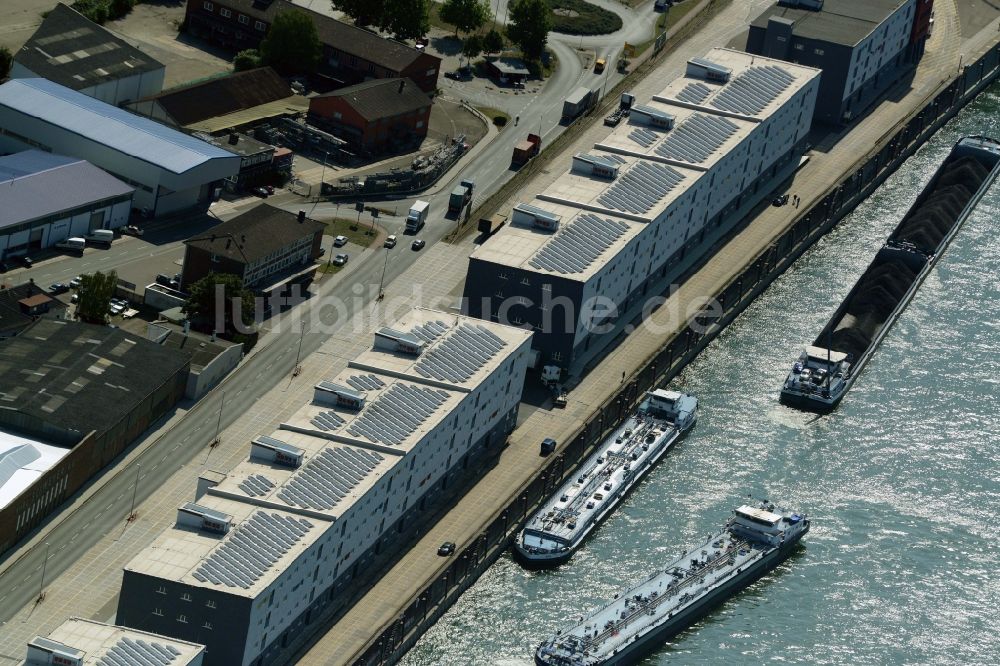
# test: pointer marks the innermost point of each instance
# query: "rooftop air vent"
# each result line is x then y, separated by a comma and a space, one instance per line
47, 651
647, 115
392, 340
203, 518
274, 450
335, 395
602, 167
702, 68
534, 216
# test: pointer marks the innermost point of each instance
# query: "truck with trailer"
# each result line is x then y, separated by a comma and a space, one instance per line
578, 101
417, 216
460, 196
527, 149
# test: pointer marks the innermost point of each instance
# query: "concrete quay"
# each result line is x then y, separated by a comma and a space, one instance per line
391, 616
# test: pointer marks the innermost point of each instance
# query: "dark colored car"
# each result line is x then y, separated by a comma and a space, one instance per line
259, 191
779, 201
26, 261
418, 244
58, 288
446, 549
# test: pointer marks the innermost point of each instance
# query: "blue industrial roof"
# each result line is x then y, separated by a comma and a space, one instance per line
35, 184
116, 128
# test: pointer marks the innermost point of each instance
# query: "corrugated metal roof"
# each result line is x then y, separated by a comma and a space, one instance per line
35, 184
108, 125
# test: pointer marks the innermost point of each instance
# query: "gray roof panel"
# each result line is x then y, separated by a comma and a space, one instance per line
137, 652
396, 413
460, 355
694, 93
641, 187
751, 92
328, 477
695, 139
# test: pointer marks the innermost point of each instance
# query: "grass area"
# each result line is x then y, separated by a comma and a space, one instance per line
666, 21
329, 269
583, 18
492, 113
356, 233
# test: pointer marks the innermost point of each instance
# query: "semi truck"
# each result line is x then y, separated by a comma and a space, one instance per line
577, 102
526, 149
460, 196
417, 216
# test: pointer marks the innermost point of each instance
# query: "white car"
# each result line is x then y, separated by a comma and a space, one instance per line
390, 242
340, 241
340, 260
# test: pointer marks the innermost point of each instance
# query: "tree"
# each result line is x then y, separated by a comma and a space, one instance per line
94, 296
472, 46
246, 59
530, 22
466, 15
205, 309
406, 19
6, 60
493, 42
292, 44
364, 12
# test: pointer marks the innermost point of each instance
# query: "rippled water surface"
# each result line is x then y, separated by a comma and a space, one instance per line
902, 481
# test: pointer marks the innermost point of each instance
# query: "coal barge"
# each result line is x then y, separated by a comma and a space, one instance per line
826, 369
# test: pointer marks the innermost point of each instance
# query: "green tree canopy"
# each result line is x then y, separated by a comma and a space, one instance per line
364, 12
205, 308
246, 59
6, 60
466, 15
472, 46
292, 44
493, 42
94, 296
406, 19
530, 22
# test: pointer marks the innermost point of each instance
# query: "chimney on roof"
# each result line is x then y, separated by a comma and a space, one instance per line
228, 243
243, 239
302, 216
234, 138
402, 84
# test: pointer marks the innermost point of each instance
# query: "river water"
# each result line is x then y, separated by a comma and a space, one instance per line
902, 481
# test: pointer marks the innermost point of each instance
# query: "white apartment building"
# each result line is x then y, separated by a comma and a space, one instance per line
646, 203
275, 540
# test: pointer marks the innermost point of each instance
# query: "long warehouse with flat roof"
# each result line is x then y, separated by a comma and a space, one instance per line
264, 548
646, 203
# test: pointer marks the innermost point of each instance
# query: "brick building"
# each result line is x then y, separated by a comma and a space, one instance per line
350, 54
263, 246
374, 116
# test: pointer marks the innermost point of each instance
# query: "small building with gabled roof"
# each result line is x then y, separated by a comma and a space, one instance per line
73, 51
170, 170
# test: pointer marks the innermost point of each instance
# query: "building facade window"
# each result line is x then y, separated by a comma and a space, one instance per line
182, 619
244, 19
158, 611
225, 13
208, 6
260, 25
210, 604
161, 589
186, 597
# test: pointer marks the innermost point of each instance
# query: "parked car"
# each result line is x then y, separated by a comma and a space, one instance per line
779, 201
340, 259
26, 261
76, 282
390, 242
3, 267
133, 230
446, 549
74, 298
418, 244
116, 309
58, 288
269, 188
340, 241
259, 191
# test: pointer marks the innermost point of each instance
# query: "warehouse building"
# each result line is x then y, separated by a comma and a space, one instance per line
862, 46
80, 642
350, 54
263, 247
73, 51
169, 170
383, 115
267, 547
47, 198
90, 390
646, 204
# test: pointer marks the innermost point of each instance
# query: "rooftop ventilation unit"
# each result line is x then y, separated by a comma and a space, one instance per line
702, 68
203, 518
647, 115
274, 450
392, 340
815, 5
335, 395
45, 651
601, 167
534, 216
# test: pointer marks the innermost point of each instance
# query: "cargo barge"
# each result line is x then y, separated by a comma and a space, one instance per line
756, 539
825, 370
558, 528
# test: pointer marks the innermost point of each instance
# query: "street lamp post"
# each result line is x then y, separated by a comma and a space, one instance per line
41, 584
298, 354
218, 424
135, 490
382, 281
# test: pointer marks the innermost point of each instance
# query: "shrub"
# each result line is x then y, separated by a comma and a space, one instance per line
589, 19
